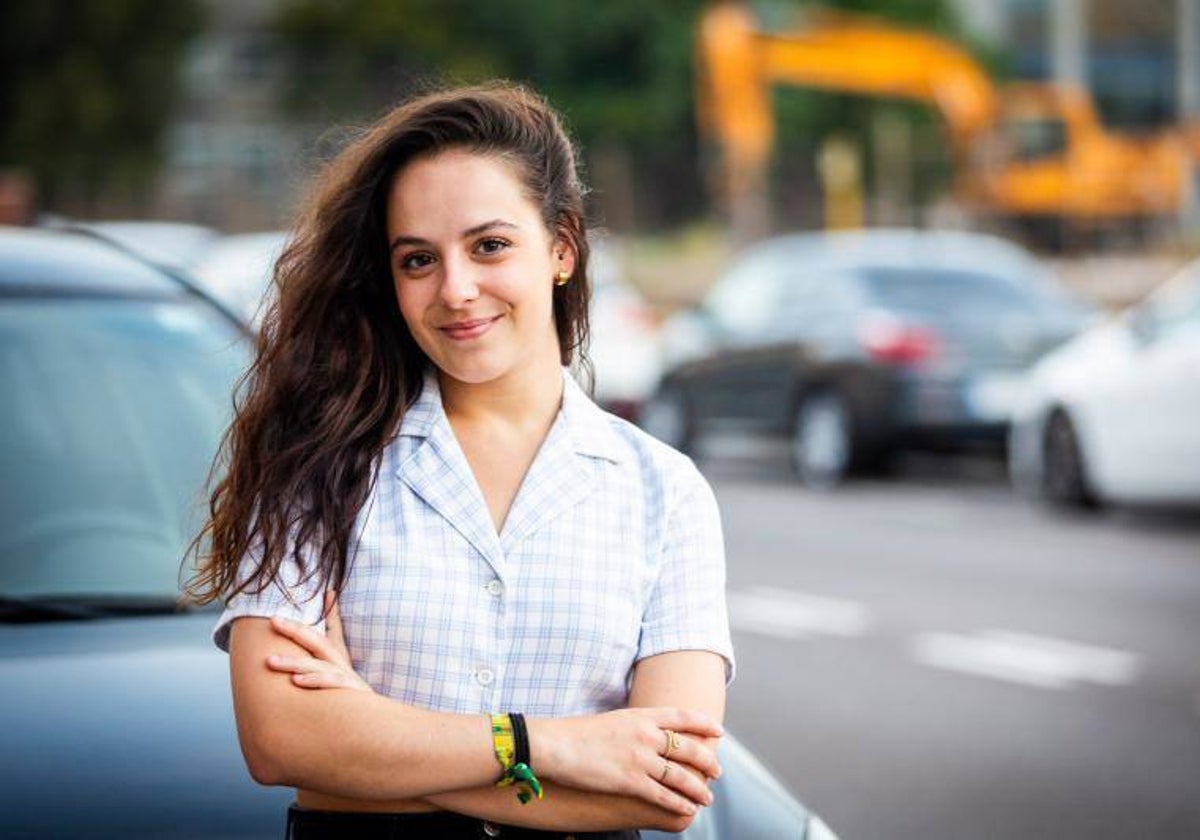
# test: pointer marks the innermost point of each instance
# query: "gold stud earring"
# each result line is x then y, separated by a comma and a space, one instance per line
561, 278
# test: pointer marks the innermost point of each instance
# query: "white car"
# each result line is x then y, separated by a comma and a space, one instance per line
237, 270
625, 348
175, 246
1114, 414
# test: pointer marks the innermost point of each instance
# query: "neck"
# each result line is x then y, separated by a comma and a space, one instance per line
526, 397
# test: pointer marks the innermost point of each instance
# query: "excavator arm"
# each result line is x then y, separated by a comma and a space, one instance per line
739, 64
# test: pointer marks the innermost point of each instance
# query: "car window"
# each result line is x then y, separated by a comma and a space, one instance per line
743, 300
810, 298
112, 411
950, 294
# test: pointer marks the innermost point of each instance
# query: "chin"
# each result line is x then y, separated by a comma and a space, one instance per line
473, 372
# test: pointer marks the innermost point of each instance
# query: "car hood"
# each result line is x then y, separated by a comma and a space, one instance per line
125, 728
125, 724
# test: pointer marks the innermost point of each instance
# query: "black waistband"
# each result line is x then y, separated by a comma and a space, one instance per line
307, 824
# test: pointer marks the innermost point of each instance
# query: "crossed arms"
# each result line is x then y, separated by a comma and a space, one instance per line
305, 720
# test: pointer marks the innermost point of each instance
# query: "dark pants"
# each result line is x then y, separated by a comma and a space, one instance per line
305, 824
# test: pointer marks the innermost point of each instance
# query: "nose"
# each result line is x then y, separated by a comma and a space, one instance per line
459, 283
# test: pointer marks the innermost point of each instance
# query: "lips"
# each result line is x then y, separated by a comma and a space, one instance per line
469, 329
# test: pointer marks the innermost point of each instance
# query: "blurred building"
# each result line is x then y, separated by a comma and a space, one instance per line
1137, 57
233, 160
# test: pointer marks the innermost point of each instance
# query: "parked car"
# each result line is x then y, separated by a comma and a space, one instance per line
855, 344
1114, 415
626, 350
117, 711
238, 269
175, 246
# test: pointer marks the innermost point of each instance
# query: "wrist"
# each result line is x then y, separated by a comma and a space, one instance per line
544, 746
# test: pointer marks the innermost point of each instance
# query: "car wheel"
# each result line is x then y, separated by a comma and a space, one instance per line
1064, 475
667, 416
823, 444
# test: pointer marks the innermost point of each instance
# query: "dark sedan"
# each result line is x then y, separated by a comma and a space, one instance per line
116, 717
853, 345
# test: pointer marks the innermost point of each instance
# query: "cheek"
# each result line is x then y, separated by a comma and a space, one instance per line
411, 303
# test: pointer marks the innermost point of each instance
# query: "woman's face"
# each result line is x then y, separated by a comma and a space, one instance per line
473, 265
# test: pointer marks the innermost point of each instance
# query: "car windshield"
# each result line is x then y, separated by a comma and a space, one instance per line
112, 412
954, 294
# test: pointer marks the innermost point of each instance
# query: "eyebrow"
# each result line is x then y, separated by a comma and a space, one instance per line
466, 234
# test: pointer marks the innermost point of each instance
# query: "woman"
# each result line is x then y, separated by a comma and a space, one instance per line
518, 575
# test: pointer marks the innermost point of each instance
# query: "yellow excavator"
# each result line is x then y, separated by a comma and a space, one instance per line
1031, 153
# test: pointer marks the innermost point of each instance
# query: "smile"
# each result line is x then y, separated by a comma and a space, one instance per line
469, 329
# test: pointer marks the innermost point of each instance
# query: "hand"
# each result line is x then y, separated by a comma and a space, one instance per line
624, 752
329, 664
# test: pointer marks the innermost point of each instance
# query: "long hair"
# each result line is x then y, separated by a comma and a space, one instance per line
335, 365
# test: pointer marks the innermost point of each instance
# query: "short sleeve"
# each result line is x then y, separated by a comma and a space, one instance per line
686, 609
292, 594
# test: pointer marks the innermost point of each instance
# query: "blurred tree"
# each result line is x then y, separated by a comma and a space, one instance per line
621, 71
86, 87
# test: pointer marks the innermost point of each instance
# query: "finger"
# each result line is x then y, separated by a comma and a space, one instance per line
688, 720
312, 673
295, 664
695, 754
685, 783
324, 679
333, 625
305, 636
667, 799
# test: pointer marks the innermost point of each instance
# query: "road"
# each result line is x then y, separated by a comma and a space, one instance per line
927, 656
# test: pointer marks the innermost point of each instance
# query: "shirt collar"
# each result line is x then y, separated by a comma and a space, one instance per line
589, 426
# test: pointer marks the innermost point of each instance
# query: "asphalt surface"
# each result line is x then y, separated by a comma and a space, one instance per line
927, 656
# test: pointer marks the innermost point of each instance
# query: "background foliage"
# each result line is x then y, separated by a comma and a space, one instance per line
86, 88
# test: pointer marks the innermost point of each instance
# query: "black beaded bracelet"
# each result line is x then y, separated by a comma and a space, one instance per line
520, 739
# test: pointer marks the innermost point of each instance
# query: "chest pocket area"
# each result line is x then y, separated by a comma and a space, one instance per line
586, 598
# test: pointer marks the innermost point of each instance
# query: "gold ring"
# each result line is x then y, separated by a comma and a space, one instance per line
662, 777
672, 742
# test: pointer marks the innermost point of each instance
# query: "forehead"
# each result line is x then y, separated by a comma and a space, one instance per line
458, 187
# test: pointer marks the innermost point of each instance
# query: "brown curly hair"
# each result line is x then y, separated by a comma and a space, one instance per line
335, 364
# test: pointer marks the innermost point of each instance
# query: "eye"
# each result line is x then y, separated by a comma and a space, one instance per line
491, 246
416, 261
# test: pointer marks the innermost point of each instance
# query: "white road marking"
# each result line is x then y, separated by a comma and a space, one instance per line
790, 614
1029, 660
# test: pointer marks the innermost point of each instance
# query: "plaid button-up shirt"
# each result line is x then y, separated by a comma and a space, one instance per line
611, 551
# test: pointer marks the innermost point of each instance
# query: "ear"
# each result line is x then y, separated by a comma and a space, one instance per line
564, 255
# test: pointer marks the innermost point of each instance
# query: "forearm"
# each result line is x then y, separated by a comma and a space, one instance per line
562, 809
312, 723
353, 744
367, 747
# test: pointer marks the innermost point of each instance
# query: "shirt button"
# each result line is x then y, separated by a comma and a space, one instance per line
491, 830
495, 588
484, 676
